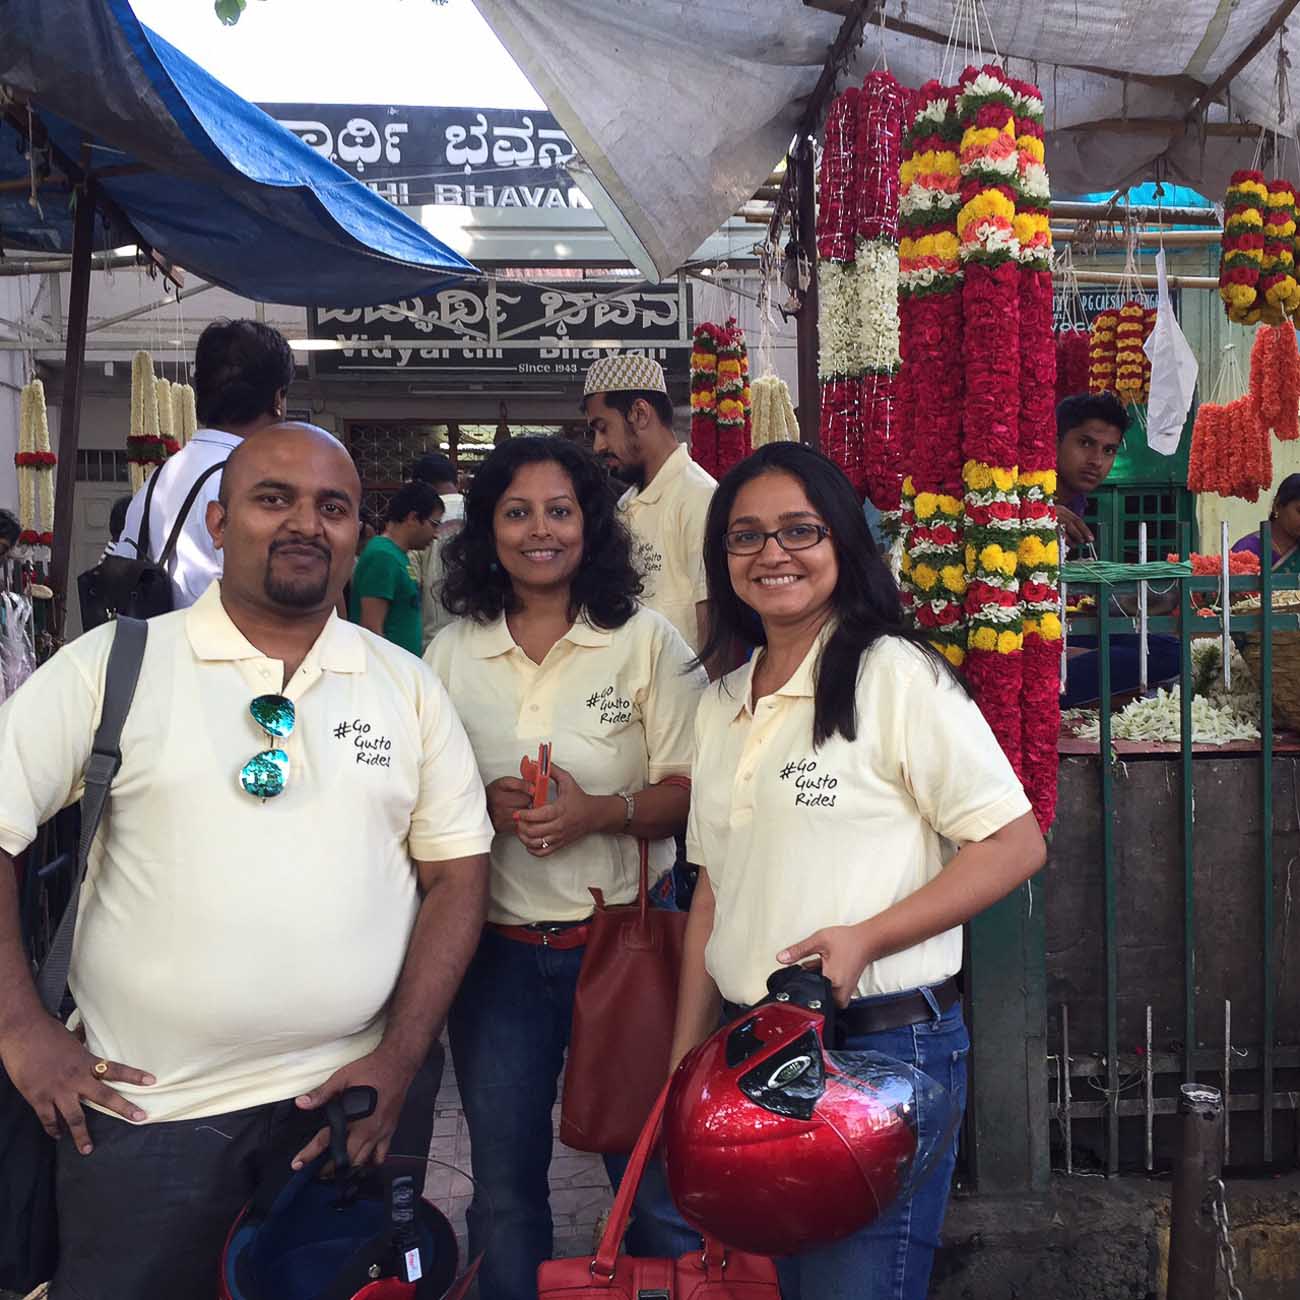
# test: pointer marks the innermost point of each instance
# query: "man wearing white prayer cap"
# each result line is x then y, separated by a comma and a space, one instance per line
625, 400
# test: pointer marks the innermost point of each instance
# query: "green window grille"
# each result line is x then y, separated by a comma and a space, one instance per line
1115, 513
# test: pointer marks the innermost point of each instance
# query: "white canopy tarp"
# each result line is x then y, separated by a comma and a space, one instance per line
680, 109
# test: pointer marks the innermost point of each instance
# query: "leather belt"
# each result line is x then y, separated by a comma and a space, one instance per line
546, 934
874, 1015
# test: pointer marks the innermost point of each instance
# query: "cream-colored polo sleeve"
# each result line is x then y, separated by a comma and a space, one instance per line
954, 767
450, 818
690, 535
671, 698
699, 849
47, 727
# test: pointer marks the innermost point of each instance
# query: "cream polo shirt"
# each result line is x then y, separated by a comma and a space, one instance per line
796, 839
666, 519
239, 950
619, 711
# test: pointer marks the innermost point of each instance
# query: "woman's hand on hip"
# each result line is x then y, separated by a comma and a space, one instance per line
506, 796
845, 952
571, 816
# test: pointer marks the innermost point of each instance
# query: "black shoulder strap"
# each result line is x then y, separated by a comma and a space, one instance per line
185, 511
142, 543
120, 678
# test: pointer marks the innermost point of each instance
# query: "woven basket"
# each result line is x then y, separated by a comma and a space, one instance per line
1286, 675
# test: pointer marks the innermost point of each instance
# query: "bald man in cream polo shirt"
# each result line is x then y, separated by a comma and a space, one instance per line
625, 400
239, 959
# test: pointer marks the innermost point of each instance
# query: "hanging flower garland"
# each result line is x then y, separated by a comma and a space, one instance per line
1038, 552
1130, 360
733, 414
35, 462
166, 419
1071, 363
144, 444
930, 309
876, 468
1102, 352
991, 351
1275, 380
774, 417
704, 397
1244, 208
1278, 291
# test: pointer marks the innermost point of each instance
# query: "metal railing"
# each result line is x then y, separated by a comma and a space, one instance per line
1106, 1066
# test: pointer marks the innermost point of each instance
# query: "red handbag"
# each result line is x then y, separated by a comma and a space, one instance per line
712, 1273
623, 1013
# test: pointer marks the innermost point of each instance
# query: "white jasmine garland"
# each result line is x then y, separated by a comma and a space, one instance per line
837, 322
876, 276
983, 86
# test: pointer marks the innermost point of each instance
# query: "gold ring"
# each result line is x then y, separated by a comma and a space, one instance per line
101, 1068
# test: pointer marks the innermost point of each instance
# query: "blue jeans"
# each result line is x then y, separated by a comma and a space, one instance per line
509, 1028
891, 1259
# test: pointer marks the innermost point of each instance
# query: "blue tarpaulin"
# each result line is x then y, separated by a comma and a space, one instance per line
207, 179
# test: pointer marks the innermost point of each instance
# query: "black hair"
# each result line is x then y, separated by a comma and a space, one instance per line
368, 519
865, 598
606, 584
1288, 490
240, 366
417, 499
10, 529
1071, 412
117, 517
624, 401
433, 468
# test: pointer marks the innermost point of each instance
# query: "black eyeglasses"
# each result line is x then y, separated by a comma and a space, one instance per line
793, 537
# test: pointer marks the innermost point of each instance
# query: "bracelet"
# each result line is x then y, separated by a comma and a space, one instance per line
630, 800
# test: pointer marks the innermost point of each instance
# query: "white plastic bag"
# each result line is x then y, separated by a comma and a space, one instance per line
1173, 372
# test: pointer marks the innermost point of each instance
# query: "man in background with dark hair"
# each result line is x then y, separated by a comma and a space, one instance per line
439, 473
242, 373
10, 531
385, 594
626, 404
1089, 433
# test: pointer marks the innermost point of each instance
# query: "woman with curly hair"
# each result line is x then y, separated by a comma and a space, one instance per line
551, 645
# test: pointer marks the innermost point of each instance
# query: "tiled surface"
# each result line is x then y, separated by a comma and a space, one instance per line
580, 1192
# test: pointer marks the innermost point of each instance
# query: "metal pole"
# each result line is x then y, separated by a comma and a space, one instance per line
1193, 1241
1106, 759
1142, 610
1266, 832
806, 343
1226, 578
83, 237
1185, 621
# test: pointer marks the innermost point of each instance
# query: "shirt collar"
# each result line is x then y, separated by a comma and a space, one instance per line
488, 640
219, 437
802, 684
213, 635
669, 472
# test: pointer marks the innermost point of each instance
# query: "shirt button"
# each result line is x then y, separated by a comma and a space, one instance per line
533, 708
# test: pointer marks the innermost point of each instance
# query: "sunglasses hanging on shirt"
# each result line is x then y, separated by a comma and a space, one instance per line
265, 775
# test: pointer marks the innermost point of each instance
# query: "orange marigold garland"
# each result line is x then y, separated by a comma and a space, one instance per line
1275, 380
1244, 207
1130, 360
1102, 352
733, 398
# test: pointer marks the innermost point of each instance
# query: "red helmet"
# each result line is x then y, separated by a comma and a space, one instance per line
775, 1145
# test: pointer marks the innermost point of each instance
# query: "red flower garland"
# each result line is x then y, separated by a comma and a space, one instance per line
35, 460
837, 201
1071, 363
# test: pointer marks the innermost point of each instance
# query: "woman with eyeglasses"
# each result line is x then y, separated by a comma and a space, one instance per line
552, 647
850, 806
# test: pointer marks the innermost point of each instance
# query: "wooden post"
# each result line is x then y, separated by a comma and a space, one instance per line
806, 343
83, 238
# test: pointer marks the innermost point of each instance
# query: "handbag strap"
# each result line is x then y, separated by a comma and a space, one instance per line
603, 1266
142, 544
120, 678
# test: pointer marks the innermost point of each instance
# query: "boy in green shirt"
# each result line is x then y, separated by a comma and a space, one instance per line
385, 593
